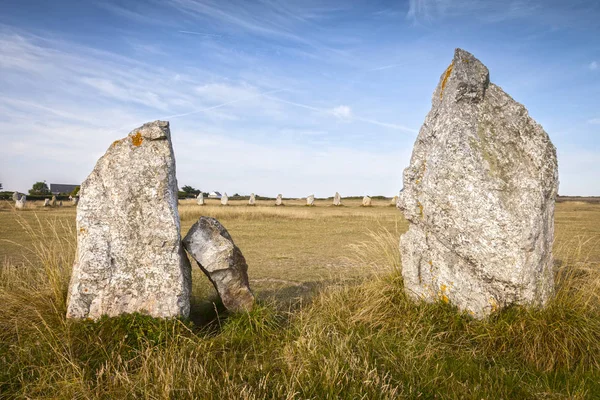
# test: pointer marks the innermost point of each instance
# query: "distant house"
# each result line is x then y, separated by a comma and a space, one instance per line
214, 195
58, 188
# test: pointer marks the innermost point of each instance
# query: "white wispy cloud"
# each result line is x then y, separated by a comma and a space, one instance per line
342, 111
594, 121
593, 65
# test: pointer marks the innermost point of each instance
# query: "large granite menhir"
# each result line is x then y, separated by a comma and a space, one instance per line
209, 243
129, 252
479, 196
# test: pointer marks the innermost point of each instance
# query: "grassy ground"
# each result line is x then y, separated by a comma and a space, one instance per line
332, 319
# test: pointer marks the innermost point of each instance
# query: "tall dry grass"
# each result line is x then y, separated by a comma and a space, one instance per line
361, 341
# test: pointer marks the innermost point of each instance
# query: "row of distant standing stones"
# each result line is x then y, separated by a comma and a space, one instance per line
20, 199
310, 200
478, 194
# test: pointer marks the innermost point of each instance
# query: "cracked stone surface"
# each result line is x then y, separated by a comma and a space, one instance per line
479, 197
209, 243
129, 252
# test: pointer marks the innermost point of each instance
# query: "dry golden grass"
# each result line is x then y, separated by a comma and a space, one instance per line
358, 337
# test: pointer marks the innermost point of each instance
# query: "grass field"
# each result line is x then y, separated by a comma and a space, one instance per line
332, 319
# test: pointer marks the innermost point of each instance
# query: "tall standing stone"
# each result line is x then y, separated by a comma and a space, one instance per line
20, 204
337, 200
279, 200
46, 202
222, 261
366, 202
16, 196
310, 200
129, 252
53, 201
252, 200
200, 199
224, 199
479, 196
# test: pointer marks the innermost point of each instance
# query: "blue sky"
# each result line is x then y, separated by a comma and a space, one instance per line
281, 96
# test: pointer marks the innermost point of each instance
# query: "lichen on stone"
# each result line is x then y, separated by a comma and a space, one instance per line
137, 139
445, 79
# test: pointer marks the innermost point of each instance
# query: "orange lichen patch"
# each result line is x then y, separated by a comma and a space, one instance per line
494, 304
82, 230
445, 79
443, 289
420, 209
137, 139
116, 142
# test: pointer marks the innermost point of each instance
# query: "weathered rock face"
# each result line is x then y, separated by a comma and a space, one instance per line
310, 200
222, 261
129, 252
224, 199
200, 199
337, 200
366, 201
479, 195
252, 200
279, 200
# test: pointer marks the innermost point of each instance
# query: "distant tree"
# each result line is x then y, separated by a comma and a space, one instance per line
0, 186
190, 190
39, 189
75, 191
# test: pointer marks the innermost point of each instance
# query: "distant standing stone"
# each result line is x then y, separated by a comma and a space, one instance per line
200, 199
366, 201
252, 200
479, 197
394, 202
46, 202
16, 196
129, 252
337, 200
310, 200
221, 260
20, 204
53, 201
75, 200
224, 199
279, 200
60, 203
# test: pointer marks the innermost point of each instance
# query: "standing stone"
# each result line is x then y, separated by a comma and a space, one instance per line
200, 199
479, 196
310, 200
394, 202
279, 200
224, 199
252, 200
337, 200
222, 261
20, 204
129, 252
53, 201
60, 203
75, 200
366, 201
46, 202
16, 196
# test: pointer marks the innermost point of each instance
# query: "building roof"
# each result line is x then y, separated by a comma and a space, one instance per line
57, 188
